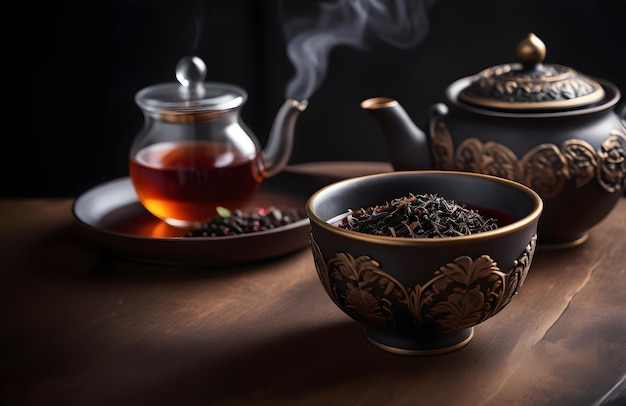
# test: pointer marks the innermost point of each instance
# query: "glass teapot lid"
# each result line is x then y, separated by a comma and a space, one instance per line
530, 84
191, 95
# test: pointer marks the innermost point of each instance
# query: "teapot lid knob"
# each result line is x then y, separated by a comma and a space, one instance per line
190, 73
531, 50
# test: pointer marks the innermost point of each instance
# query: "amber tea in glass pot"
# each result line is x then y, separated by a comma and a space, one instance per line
177, 181
194, 153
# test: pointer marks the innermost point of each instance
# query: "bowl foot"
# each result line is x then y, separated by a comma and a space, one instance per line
412, 345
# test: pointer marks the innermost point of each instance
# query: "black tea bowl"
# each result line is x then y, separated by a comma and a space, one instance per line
423, 296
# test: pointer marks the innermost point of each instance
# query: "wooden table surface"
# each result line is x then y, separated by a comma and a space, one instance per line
79, 327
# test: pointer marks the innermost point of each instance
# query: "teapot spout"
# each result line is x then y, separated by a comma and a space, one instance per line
407, 145
277, 152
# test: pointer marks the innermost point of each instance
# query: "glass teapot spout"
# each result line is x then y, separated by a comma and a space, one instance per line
277, 152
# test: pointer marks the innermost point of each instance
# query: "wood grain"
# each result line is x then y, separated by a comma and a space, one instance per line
81, 327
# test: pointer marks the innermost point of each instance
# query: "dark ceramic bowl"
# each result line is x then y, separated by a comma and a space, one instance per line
420, 296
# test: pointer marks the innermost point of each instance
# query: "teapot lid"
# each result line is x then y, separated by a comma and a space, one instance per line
530, 84
191, 94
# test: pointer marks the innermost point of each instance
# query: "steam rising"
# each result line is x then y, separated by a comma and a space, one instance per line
197, 25
401, 23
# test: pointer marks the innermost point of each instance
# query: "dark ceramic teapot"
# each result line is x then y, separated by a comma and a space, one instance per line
546, 126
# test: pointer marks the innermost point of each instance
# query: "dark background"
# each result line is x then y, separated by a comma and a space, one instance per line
75, 68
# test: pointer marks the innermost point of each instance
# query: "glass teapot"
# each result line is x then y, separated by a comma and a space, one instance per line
195, 154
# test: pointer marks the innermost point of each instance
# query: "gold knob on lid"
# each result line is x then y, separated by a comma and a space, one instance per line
531, 50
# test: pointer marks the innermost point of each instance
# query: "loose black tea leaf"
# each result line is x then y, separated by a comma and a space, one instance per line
239, 222
418, 216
